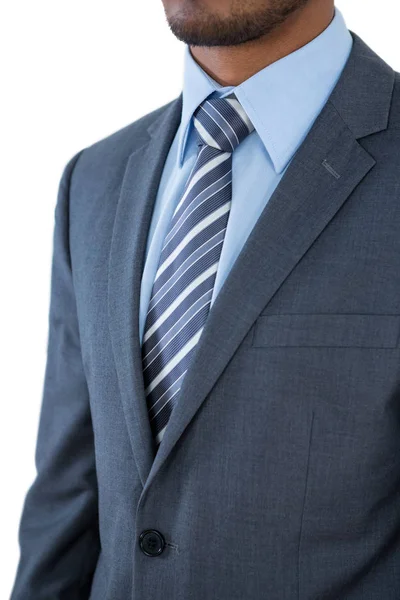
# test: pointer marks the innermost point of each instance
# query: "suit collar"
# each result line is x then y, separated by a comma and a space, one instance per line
363, 93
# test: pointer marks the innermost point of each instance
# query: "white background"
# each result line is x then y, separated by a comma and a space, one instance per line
73, 72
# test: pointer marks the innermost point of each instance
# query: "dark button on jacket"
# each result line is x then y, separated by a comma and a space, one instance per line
151, 542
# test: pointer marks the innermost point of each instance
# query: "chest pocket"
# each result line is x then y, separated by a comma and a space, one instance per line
327, 330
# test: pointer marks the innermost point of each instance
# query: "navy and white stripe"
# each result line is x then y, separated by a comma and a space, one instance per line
184, 281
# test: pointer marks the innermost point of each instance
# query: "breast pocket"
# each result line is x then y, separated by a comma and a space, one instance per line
327, 330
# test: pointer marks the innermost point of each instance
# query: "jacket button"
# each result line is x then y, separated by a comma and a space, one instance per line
151, 542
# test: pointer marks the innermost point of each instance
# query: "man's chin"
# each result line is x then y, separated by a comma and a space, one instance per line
199, 33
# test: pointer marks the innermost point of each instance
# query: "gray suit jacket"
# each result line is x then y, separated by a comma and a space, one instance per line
278, 477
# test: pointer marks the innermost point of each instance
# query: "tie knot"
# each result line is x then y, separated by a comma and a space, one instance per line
222, 123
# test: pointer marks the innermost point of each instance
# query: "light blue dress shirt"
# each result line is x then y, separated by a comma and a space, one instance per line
282, 101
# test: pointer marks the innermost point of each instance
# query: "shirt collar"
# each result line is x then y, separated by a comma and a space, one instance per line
283, 99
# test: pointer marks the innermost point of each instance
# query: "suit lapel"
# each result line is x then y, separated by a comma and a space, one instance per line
128, 245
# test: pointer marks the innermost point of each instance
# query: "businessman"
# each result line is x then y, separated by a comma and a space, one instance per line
221, 407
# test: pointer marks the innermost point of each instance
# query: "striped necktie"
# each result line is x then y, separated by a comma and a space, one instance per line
183, 284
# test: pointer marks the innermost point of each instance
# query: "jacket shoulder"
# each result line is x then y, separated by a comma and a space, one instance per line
112, 151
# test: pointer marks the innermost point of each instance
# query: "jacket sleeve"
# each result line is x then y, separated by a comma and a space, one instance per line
58, 530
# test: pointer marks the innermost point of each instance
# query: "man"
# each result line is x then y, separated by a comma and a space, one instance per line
221, 409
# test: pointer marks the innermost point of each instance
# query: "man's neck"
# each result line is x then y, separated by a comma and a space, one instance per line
231, 65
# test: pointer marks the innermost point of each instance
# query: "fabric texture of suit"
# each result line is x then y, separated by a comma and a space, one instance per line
278, 476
